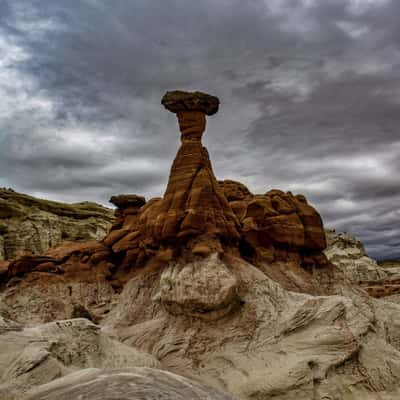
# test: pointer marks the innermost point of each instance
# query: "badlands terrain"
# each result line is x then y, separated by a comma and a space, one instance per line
209, 292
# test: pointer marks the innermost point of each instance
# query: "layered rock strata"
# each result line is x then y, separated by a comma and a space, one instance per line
275, 224
353, 264
30, 226
194, 210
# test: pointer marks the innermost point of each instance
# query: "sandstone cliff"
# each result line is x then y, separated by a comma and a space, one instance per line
31, 225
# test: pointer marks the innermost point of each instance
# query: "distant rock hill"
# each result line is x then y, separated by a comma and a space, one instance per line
379, 279
29, 225
389, 263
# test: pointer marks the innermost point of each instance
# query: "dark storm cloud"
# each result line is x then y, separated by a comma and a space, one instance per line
310, 100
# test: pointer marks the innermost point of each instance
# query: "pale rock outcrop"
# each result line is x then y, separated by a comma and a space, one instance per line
45, 297
389, 263
37, 355
273, 342
30, 226
204, 288
349, 255
353, 264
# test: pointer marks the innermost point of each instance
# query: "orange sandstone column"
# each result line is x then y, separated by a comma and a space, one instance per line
193, 209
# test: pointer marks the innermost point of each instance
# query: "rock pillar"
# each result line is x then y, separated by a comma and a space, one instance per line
194, 211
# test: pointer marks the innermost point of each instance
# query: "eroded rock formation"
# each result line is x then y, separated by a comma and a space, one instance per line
30, 226
352, 262
275, 224
35, 356
193, 210
210, 282
198, 215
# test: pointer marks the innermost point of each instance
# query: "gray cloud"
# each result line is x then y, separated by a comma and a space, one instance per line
310, 98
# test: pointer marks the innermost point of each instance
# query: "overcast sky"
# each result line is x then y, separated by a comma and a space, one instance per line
309, 91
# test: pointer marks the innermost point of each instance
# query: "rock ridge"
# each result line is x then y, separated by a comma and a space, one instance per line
29, 225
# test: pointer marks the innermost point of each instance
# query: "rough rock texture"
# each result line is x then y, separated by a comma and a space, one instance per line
193, 210
3, 269
276, 225
177, 100
273, 343
46, 288
127, 384
124, 201
204, 288
126, 216
31, 225
348, 254
389, 263
37, 355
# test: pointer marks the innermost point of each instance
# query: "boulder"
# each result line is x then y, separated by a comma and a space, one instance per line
204, 288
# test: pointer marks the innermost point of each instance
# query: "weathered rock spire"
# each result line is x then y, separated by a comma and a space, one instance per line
194, 210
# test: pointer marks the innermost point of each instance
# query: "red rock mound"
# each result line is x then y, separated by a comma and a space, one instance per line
276, 222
